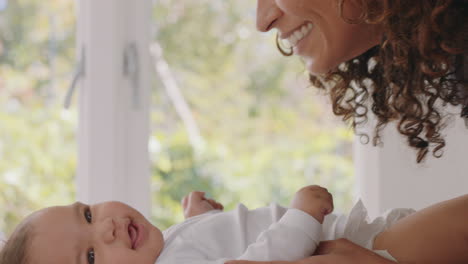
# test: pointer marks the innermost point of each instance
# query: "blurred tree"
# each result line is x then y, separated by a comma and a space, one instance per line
37, 137
267, 134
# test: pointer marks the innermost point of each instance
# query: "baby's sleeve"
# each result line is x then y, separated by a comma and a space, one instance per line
295, 236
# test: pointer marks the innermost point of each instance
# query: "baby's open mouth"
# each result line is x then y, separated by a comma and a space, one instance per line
134, 234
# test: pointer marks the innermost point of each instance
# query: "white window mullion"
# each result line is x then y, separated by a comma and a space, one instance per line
113, 161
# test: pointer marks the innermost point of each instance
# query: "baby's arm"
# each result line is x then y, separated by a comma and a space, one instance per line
437, 234
294, 236
297, 233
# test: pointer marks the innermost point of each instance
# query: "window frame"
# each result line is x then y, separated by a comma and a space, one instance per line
113, 128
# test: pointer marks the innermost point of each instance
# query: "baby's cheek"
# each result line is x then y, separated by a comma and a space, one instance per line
118, 256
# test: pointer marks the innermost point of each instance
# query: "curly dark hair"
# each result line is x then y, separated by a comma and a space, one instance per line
417, 68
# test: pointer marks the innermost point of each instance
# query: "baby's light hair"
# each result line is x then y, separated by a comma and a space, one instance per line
15, 249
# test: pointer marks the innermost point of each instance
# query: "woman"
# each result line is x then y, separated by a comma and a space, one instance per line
400, 59
403, 60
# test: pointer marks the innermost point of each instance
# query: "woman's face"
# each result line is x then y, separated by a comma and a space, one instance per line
316, 30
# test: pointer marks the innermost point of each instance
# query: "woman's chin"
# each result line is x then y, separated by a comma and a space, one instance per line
315, 68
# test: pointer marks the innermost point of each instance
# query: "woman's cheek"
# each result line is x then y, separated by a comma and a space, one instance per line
319, 57
298, 8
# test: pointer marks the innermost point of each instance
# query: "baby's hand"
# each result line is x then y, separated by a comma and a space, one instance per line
195, 203
314, 200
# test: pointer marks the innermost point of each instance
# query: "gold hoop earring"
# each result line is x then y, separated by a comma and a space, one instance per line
281, 50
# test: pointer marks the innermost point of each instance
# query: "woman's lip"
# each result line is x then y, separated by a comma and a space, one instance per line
289, 33
142, 235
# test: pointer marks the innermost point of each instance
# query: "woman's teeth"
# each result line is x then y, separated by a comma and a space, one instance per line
299, 34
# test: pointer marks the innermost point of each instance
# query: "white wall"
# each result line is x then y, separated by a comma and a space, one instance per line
389, 177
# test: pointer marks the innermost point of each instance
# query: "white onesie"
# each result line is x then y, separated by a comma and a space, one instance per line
267, 233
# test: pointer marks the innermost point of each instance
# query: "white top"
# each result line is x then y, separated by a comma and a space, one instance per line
267, 233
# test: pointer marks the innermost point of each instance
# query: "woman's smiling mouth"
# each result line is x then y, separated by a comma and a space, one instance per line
296, 36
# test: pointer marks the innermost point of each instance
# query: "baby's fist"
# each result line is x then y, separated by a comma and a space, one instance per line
314, 200
195, 203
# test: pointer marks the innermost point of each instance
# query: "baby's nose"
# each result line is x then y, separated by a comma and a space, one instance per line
114, 229
107, 230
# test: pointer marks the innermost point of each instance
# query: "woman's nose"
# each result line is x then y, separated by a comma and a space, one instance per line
267, 14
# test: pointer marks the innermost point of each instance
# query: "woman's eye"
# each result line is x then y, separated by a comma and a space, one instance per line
91, 256
88, 216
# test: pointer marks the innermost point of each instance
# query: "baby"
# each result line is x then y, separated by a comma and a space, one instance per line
115, 233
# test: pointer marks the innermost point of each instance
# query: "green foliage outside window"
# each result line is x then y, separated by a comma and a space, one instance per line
37, 137
264, 132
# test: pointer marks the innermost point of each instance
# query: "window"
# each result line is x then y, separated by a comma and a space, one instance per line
37, 136
228, 115
232, 117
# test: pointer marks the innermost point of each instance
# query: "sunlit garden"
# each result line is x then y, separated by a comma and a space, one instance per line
258, 131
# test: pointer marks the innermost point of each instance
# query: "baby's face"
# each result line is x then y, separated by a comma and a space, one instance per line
106, 233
